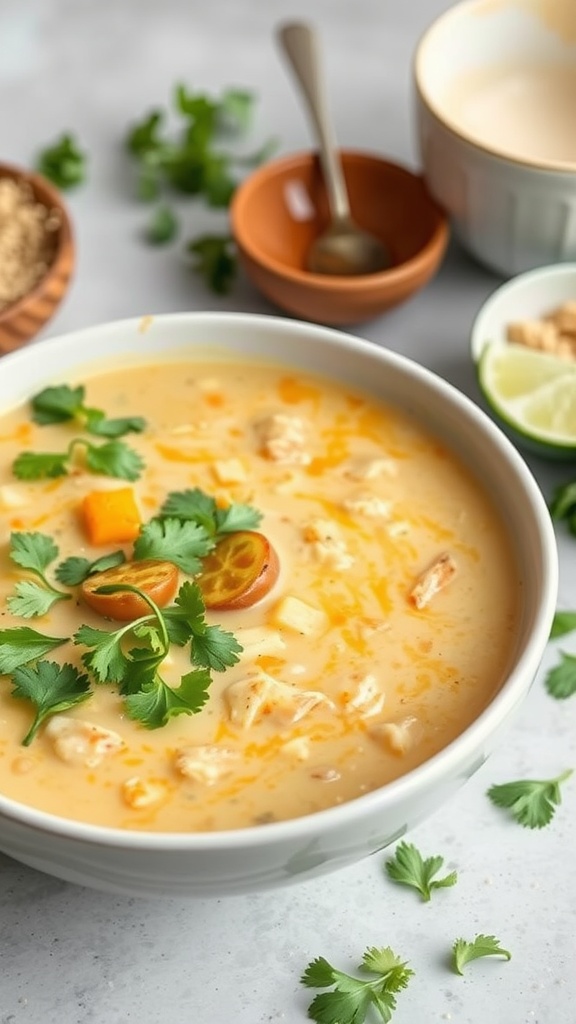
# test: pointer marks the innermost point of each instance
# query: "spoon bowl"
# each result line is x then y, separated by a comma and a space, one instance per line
343, 248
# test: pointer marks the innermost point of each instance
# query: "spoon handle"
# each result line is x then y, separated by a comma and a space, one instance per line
301, 45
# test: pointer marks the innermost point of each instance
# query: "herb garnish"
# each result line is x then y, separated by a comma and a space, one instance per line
531, 802
62, 403
51, 688
561, 680
113, 458
352, 997
191, 161
63, 162
563, 622
201, 508
482, 945
407, 867
74, 570
34, 552
563, 504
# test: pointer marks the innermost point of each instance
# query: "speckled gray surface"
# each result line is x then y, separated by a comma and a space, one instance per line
73, 956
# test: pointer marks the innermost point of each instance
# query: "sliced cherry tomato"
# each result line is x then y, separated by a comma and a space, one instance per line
159, 580
241, 570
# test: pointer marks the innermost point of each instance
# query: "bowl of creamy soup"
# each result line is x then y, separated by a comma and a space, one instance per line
266, 598
495, 94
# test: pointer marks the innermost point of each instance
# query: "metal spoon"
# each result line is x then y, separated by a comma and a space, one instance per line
344, 248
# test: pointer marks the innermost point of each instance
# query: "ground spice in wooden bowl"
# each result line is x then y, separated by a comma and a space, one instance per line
36, 255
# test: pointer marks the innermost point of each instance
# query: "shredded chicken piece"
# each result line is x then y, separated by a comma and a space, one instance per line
398, 737
139, 793
366, 699
261, 696
206, 764
282, 439
79, 742
326, 544
433, 580
368, 505
298, 748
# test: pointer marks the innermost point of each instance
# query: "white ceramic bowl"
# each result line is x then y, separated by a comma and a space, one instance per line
176, 865
510, 212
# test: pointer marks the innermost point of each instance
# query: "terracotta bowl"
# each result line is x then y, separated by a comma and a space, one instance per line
278, 211
22, 319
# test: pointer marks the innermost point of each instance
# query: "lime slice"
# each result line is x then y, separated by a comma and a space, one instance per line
533, 394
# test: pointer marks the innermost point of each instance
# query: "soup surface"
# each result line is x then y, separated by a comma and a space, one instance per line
522, 109
390, 626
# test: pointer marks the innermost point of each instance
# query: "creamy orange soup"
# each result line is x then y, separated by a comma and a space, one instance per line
389, 629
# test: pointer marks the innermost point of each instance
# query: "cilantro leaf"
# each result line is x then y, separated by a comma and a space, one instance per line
182, 543
31, 599
20, 644
563, 502
215, 261
157, 702
144, 137
407, 867
51, 688
75, 570
482, 945
62, 403
564, 622
63, 162
235, 110
189, 608
201, 508
352, 997
216, 648
162, 226
114, 458
532, 802
561, 680
106, 659
40, 465
33, 551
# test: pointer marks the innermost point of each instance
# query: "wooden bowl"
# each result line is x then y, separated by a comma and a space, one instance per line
24, 317
280, 208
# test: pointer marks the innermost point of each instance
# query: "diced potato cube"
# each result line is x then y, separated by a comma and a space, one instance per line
12, 497
293, 613
229, 471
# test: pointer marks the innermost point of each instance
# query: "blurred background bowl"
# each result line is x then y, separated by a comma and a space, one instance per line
512, 211
21, 319
278, 211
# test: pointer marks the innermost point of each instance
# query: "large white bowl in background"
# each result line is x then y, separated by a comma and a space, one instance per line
216, 864
510, 213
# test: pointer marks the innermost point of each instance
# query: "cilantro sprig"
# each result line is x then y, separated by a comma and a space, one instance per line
408, 867
196, 506
113, 458
63, 162
385, 974
532, 802
51, 688
33, 552
482, 945
185, 150
61, 403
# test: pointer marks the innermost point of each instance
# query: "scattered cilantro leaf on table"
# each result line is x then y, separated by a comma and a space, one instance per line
63, 162
561, 680
162, 226
408, 867
482, 945
51, 688
215, 261
563, 622
352, 998
532, 802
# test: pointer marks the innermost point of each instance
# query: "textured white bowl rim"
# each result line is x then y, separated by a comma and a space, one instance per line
518, 283
562, 168
436, 768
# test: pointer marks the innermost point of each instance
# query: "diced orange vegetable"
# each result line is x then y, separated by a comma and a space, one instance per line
111, 517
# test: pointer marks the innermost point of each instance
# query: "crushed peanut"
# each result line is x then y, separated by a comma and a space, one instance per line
28, 239
554, 333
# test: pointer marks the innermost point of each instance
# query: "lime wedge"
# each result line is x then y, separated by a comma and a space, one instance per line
533, 394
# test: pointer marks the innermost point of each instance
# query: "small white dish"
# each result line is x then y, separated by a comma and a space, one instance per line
528, 296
